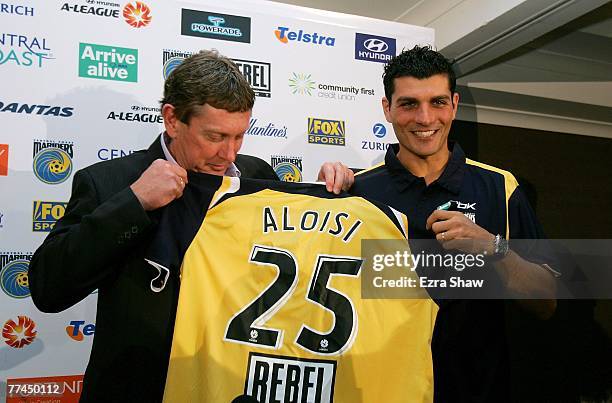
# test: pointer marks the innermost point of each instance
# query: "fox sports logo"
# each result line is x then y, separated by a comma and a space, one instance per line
14, 279
288, 172
52, 165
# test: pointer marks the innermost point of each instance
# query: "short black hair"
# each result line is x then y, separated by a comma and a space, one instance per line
419, 62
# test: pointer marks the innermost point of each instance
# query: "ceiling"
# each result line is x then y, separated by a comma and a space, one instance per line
541, 64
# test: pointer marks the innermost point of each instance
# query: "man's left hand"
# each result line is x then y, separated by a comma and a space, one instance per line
455, 231
337, 176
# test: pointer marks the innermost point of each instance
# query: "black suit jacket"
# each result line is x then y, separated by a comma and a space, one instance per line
100, 244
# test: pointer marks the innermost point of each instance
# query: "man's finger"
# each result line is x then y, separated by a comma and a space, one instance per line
339, 177
439, 215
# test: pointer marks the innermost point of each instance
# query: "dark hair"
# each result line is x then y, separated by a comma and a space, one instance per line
207, 78
419, 62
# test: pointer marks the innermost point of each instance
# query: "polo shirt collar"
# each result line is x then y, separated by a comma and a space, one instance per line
451, 176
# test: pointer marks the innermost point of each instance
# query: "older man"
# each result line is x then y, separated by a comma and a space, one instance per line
108, 225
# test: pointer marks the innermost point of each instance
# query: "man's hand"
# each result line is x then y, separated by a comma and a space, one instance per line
337, 176
161, 183
455, 231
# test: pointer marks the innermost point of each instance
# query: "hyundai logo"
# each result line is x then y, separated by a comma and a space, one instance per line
375, 45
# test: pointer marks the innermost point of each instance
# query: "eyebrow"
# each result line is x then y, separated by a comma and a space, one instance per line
411, 99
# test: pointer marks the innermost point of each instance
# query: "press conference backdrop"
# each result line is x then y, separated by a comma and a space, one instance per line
80, 83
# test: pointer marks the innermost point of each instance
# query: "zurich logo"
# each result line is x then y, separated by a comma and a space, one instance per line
375, 45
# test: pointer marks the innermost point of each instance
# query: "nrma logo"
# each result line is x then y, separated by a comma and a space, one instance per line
326, 131
286, 35
77, 330
45, 214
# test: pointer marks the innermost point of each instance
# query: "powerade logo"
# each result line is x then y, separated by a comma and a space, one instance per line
219, 26
374, 48
16, 9
46, 110
4, 153
20, 333
14, 274
52, 160
286, 35
288, 169
45, 214
326, 131
379, 131
108, 62
24, 50
77, 330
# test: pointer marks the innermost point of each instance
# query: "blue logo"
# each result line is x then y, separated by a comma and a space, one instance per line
52, 165
14, 279
379, 130
374, 48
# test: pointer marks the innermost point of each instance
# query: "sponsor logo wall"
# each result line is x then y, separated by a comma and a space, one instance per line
81, 84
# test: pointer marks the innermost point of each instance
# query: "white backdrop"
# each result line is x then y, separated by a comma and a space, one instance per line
61, 111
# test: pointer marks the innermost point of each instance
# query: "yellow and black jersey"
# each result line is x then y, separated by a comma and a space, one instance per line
270, 301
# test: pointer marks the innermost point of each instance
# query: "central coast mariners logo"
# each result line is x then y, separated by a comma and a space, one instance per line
288, 169
52, 161
45, 214
326, 131
14, 274
271, 378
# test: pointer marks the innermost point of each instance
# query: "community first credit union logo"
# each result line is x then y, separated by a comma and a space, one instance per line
219, 26
374, 48
45, 214
20, 333
108, 62
14, 274
52, 160
286, 35
288, 169
326, 131
258, 74
136, 14
304, 84
24, 50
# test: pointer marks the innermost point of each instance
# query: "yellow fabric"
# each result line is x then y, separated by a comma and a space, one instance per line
389, 358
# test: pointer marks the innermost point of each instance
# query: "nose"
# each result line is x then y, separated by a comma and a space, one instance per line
424, 115
229, 149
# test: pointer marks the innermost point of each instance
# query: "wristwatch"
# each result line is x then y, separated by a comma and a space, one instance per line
500, 248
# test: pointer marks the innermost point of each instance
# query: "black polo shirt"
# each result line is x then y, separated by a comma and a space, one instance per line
469, 345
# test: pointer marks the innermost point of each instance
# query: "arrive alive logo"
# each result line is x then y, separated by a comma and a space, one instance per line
108, 62
218, 26
374, 48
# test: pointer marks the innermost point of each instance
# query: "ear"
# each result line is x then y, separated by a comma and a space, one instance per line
170, 120
386, 109
455, 103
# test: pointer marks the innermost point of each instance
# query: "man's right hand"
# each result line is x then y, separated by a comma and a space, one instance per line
161, 183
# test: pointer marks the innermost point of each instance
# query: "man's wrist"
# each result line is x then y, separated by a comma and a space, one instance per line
499, 248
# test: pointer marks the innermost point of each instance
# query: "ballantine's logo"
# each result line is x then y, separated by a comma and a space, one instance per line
19, 334
75, 332
137, 15
45, 214
326, 131
285, 35
47, 110
269, 130
52, 160
108, 62
17, 10
14, 274
23, 50
288, 169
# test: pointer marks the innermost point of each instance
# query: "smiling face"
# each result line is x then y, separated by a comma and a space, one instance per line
210, 141
421, 112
